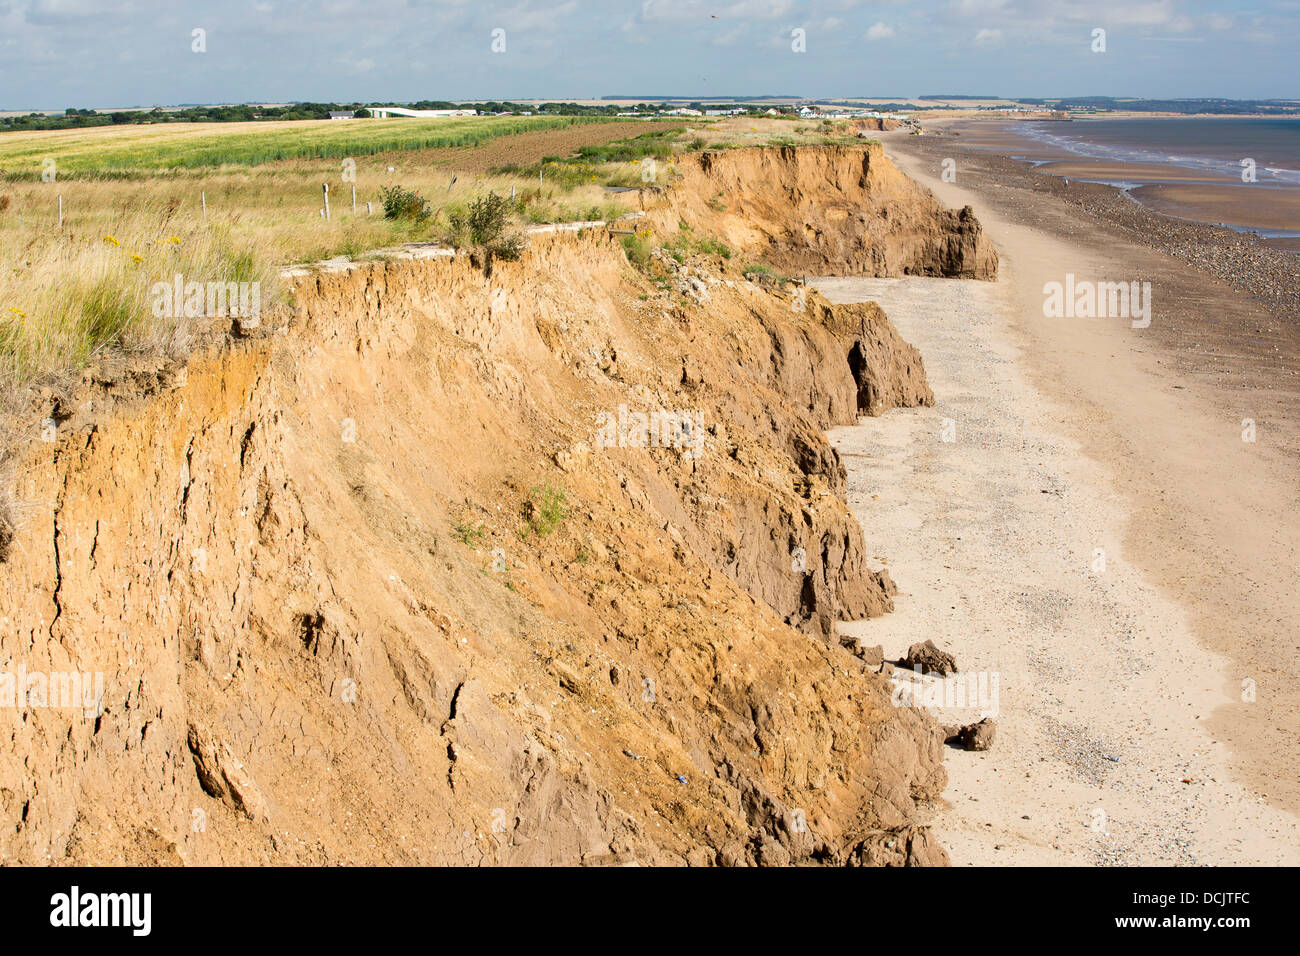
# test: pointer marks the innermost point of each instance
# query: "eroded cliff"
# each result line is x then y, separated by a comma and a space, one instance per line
832, 210
404, 577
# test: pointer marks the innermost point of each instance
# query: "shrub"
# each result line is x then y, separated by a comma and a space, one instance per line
405, 204
546, 510
469, 535
484, 227
638, 249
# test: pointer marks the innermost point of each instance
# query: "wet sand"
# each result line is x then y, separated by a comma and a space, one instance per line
1199, 195
1256, 207
1103, 171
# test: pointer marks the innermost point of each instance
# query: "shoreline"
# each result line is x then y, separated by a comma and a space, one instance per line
1206, 196
1156, 414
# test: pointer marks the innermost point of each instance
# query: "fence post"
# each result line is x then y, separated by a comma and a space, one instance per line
60, 213
326, 187
203, 201
354, 200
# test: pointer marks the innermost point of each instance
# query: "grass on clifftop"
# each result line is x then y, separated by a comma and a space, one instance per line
134, 216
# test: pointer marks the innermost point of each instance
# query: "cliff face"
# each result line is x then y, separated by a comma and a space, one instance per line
833, 210
407, 579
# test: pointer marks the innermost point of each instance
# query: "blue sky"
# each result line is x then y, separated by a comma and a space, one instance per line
99, 53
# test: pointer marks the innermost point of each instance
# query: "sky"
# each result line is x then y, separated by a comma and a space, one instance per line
115, 53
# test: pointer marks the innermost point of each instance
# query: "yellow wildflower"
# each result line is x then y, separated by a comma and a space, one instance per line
112, 240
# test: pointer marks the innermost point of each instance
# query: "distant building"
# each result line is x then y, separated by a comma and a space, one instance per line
381, 112
343, 114
683, 111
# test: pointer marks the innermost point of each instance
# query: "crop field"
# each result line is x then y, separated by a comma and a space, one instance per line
142, 151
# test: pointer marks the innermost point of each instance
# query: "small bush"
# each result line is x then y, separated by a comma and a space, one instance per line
404, 204
546, 510
483, 226
638, 250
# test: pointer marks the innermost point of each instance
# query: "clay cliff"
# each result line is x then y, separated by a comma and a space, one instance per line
824, 210
404, 576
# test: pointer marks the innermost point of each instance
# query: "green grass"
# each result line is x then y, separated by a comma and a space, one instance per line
469, 535
135, 151
686, 243
638, 249
546, 511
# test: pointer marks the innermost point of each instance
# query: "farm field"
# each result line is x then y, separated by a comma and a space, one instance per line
141, 151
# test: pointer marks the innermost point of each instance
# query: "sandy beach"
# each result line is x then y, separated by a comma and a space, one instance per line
1147, 709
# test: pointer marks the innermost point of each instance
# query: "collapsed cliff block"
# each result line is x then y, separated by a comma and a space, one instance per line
908, 846
930, 659
978, 736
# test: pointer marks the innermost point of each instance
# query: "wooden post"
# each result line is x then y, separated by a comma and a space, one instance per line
354, 200
369, 211
203, 201
326, 187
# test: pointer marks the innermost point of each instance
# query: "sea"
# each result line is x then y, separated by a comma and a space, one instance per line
1216, 146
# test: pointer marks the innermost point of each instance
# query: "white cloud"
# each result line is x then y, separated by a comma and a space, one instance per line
987, 37
880, 31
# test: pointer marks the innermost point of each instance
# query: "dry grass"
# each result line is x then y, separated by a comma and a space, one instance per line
68, 295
